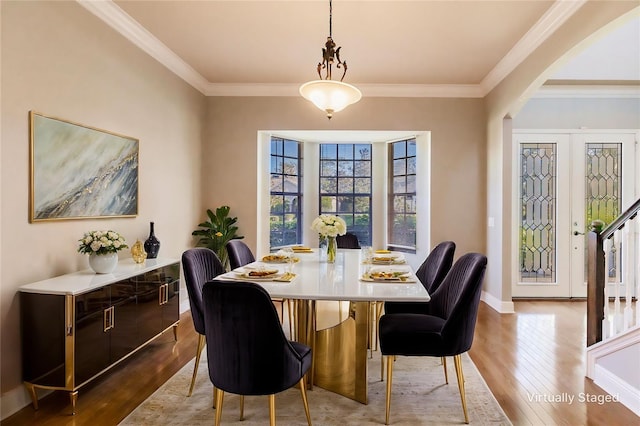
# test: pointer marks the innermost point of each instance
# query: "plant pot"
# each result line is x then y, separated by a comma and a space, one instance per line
103, 263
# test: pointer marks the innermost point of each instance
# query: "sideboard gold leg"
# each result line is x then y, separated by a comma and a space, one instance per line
73, 396
175, 332
32, 392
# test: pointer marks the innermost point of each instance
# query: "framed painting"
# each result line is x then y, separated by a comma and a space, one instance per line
80, 172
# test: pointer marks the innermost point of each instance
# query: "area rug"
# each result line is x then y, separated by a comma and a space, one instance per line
419, 397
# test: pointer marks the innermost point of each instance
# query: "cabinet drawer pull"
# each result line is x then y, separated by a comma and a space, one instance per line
107, 319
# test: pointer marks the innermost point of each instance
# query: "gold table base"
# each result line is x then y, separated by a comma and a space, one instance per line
340, 352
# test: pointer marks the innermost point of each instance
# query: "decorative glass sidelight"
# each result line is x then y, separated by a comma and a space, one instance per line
603, 194
538, 173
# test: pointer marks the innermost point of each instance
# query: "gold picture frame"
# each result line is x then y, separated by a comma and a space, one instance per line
80, 172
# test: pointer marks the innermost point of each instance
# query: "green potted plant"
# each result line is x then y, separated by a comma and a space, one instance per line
217, 231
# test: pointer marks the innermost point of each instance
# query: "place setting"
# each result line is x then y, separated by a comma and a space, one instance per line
388, 275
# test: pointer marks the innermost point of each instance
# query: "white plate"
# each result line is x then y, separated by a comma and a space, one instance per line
247, 275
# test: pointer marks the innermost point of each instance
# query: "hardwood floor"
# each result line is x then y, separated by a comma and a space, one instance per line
536, 352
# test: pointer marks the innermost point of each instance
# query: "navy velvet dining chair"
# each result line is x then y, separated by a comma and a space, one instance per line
348, 241
431, 274
446, 329
247, 350
200, 265
239, 254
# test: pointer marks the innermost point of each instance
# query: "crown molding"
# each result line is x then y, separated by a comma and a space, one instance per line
588, 91
553, 18
120, 21
368, 90
124, 24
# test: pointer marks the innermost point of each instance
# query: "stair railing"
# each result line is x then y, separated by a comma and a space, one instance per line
613, 274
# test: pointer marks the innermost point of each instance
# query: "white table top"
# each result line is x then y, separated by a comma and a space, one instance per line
318, 280
87, 280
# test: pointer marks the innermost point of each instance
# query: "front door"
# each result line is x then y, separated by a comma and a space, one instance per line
564, 182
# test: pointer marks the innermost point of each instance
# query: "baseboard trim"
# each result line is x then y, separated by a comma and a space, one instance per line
620, 390
500, 306
16, 399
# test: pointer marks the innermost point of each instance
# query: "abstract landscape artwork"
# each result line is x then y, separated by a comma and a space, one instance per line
80, 172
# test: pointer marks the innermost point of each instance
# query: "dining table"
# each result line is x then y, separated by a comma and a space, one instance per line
335, 304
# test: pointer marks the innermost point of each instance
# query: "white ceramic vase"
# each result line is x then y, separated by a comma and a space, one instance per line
103, 263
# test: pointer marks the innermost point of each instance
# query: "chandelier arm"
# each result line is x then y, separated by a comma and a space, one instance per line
345, 70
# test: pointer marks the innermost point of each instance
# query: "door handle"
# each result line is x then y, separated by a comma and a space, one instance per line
578, 233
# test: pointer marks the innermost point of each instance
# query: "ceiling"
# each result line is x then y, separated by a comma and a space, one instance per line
392, 48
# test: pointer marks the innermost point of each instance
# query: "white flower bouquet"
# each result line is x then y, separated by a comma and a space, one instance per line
101, 242
328, 225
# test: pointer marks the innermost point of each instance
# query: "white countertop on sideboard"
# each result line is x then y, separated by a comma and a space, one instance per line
87, 280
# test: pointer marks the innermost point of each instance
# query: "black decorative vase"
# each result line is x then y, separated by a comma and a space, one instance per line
152, 244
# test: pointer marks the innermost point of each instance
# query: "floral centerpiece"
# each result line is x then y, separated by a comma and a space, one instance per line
102, 248
329, 226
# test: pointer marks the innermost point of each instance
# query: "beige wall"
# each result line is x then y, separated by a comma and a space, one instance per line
60, 60
457, 147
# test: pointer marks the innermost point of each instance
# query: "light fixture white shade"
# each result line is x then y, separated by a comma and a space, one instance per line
330, 96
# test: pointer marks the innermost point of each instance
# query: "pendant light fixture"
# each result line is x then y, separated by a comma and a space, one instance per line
327, 94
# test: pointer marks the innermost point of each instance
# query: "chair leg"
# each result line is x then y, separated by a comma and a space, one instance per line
444, 364
219, 399
457, 359
390, 360
215, 397
381, 367
201, 341
303, 391
272, 410
241, 407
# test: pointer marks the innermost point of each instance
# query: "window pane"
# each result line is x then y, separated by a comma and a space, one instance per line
276, 183
345, 185
410, 204
290, 184
291, 149
399, 184
276, 146
291, 204
362, 186
399, 150
362, 152
411, 165
328, 185
328, 151
290, 166
328, 168
411, 148
362, 204
345, 152
362, 168
277, 205
345, 204
398, 204
345, 168
411, 184
276, 164
328, 204
399, 167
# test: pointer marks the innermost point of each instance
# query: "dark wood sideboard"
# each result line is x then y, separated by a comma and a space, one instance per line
77, 326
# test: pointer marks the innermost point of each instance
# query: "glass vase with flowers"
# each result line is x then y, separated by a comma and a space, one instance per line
329, 226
